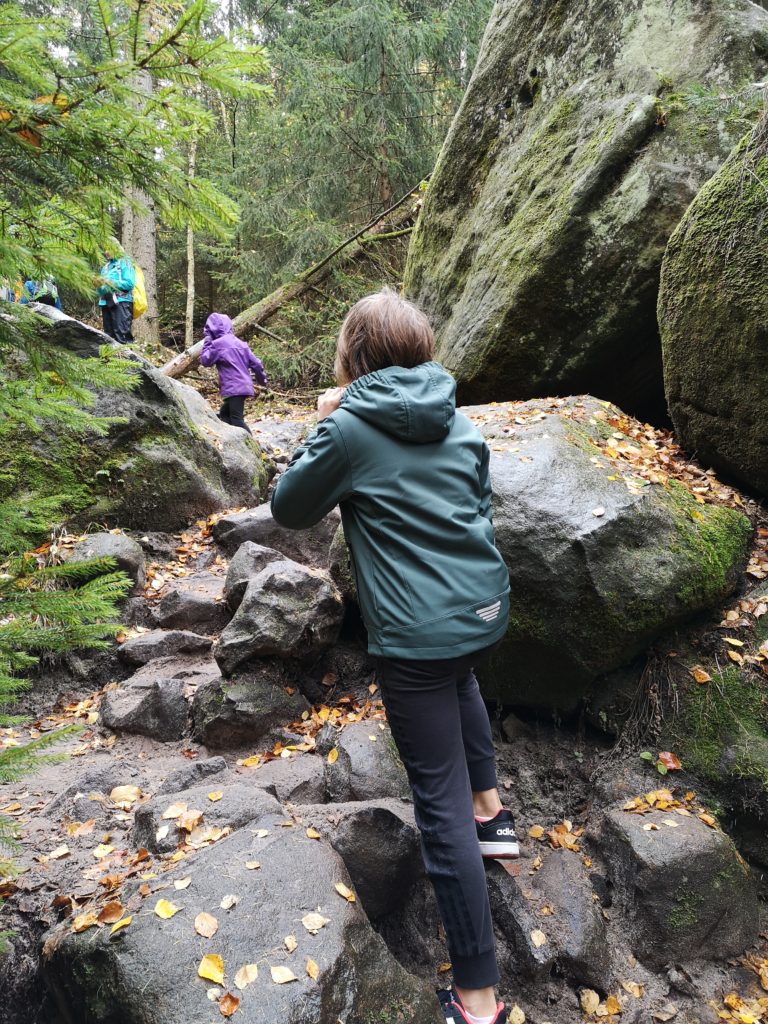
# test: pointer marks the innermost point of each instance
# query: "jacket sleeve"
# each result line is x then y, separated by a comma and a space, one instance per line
257, 367
208, 354
318, 477
486, 492
125, 276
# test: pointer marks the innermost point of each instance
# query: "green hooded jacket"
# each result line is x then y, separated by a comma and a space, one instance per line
411, 476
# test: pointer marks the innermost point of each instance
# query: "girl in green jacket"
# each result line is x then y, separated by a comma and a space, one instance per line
411, 476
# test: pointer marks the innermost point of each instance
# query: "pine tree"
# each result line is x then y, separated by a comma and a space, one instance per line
74, 135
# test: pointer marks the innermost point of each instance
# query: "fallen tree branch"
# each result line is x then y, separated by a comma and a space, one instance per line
254, 316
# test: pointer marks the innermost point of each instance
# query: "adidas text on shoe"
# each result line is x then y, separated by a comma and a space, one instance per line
497, 837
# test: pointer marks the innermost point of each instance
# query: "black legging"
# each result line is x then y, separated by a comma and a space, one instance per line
118, 321
232, 410
442, 732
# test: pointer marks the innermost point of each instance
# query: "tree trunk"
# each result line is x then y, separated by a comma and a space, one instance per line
189, 315
262, 310
140, 242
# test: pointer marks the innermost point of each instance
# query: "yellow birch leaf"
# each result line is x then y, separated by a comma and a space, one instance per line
182, 883
125, 794
229, 901
246, 974
589, 1001
290, 943
612, 1005
342, 890
313, 970
102, 850
216, 795
252, 865
174, 810
84, 921
123, 923
333, 755
206, 925
536, 831
633, 988
538, 938
312, 833
282, 975
516, 1015
313, 922
701, 675
212, 968
166, 909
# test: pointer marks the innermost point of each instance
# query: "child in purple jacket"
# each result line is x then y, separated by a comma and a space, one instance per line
235, 363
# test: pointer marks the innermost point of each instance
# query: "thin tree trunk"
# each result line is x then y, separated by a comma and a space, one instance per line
140, 242
189, 315
262, 310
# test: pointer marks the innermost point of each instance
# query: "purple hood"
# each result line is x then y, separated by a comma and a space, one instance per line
231, 357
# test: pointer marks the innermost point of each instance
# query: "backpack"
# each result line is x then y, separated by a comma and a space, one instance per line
139, 293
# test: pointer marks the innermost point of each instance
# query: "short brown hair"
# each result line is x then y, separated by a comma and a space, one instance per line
382, 330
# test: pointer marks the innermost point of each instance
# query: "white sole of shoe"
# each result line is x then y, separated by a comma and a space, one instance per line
500, 851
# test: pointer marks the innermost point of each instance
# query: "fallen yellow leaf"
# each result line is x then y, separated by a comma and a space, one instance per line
538, 938
216, 795
123, 923
313, 922
246, 974
342, 890
252, 865
125, 794
633, 988
290, 943
166, 909
205, 924
102, 850
229, 901
536, 831
589, 1001
212, 968
174, 810
333, 755
182, 883
516, 1015
282, 975
84, 921
250, 762
701, 675
312, 833
612, 1005
313, 970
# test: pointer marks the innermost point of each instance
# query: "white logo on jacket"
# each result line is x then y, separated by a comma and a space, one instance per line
490, 612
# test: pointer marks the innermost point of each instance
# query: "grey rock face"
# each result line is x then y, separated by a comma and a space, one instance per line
287, 610
196, 602
295, 780
155, 700
248, 561
193, 773
119, 980
600, 563
368, 766
713, 310
577, 148
125, 551
170, 461
683, 889
379, 844
310, 547
239, 805
161, 643
245, 708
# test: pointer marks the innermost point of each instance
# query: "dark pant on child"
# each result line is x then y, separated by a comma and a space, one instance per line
118, 321
232, 411
440, 725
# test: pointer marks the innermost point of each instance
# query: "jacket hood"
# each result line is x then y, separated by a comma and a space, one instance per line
218, 324
416, 404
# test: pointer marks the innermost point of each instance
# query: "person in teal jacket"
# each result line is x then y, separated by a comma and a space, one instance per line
115, 291
411, 476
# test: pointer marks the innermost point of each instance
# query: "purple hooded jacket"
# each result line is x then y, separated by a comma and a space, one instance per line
231, 357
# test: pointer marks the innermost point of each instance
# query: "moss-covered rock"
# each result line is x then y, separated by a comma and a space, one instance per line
166, 460
601, 562
713, 313
583, 135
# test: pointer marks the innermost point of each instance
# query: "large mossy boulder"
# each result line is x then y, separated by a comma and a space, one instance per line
713, 314
167, 461
584, 134
601, 560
